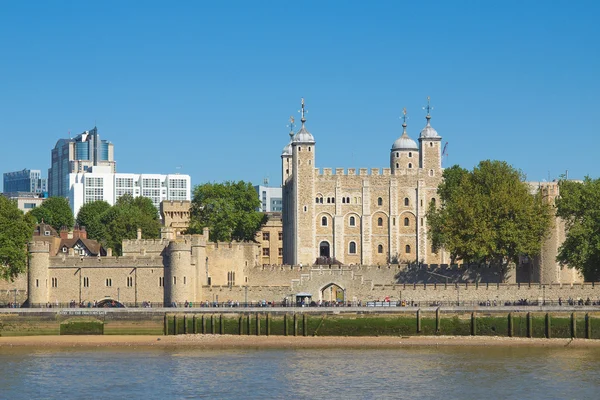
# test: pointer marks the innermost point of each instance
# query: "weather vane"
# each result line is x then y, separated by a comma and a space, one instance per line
404, 117
291, 125
302, 111
429, 108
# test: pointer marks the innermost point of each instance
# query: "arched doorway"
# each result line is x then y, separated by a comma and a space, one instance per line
109, 303
324, 249
333, 293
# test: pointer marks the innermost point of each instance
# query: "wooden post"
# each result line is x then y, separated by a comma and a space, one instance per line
511, 325
203, 324
529, 325
257, 324
241, 325
166, 325
184, 324
548, 326
194, 325
588, 326
221, 327
473, 324
268, 324
295, 324
437, 320
573, 326
304, 323
285, 325
212, 324
419, 320
249, 325
174, 324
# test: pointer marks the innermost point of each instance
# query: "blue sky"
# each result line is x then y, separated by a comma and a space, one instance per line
209, 86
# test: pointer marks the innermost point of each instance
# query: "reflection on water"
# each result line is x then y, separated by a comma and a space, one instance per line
426, 373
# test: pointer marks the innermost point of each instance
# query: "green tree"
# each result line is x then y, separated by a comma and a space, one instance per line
54, 211
123, 220
15, 231
579, 206
89, 215
227, 209
488, 215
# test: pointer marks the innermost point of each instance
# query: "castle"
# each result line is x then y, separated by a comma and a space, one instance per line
365, 229
361, 218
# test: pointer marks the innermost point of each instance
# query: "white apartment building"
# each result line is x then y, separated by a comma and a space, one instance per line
270, 198
99, 183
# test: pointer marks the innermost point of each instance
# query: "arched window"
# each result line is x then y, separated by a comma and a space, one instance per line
317, 200
308, 148
324, 221
352, 221
433, 201
333, 199
379, 201
406, 221
430, 172
352, 248
347, 200
380, 249
406, 201
410, 154
397, 165
328, 200
379, 221
343, 200
409, 165
430, 144
321, 200
407, 249
397, 154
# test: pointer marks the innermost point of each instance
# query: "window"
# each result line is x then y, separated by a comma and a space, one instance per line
161, 281
129, 281
409, 165
280, 254
397, 165
433, 201
397, 154
406, 201
407, 249
108, 282
280, 235
352, 248
184, 280
308, 148
305, 208
352, 221
46, 233
328, 200
37, 283
430, 144
54, 282
380, 249
230, 278
174, 280
379, 201
430, 172
86, 282
348, 200
299, 148
343, 200
324, 221
410, 154
406, 222
266, 236
379, 221
266, 252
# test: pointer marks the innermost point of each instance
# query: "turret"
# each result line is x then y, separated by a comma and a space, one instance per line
37, 280
287, 165
404, 151
430, 144
180, 279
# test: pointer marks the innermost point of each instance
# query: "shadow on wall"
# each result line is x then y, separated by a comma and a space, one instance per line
433, 273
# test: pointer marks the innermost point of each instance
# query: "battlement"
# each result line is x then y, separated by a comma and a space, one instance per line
38, 247
180, 244
352, 172
64, 261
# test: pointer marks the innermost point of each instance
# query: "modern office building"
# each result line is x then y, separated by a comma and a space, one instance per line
270, 198
26, 201
101, 183
78, 155
27, 180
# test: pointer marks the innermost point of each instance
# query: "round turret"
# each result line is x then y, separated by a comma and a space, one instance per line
179, 274
37, 279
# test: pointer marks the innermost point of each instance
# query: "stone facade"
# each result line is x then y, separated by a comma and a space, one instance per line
367, 216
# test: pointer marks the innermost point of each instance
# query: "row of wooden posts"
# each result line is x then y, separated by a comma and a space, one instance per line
257, 326
213, 328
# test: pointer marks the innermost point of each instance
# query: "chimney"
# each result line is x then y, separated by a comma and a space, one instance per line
64, 233
79, 233
139, 233
109, 252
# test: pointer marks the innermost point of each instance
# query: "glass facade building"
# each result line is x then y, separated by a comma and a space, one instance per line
26, 180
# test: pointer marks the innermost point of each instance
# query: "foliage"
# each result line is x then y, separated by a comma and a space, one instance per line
54, 211
227, 209
123, 220
89, 216
488, 215
579, 205
15, 231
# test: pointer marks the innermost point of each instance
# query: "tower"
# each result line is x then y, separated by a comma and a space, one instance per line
404, 150
286, 156
303, 194
180, 276
430, 143
37, 280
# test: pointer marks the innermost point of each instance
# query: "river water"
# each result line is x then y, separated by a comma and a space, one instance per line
424, 373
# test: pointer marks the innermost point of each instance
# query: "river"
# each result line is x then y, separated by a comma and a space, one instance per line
423, 373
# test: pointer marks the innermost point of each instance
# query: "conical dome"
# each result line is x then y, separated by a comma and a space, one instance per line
404, 143
428, 132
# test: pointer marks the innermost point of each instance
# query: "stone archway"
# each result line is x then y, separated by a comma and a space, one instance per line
324, 249
333, 293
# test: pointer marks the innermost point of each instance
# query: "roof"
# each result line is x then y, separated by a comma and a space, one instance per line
93, 247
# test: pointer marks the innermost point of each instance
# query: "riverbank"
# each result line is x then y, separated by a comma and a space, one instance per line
278, 342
